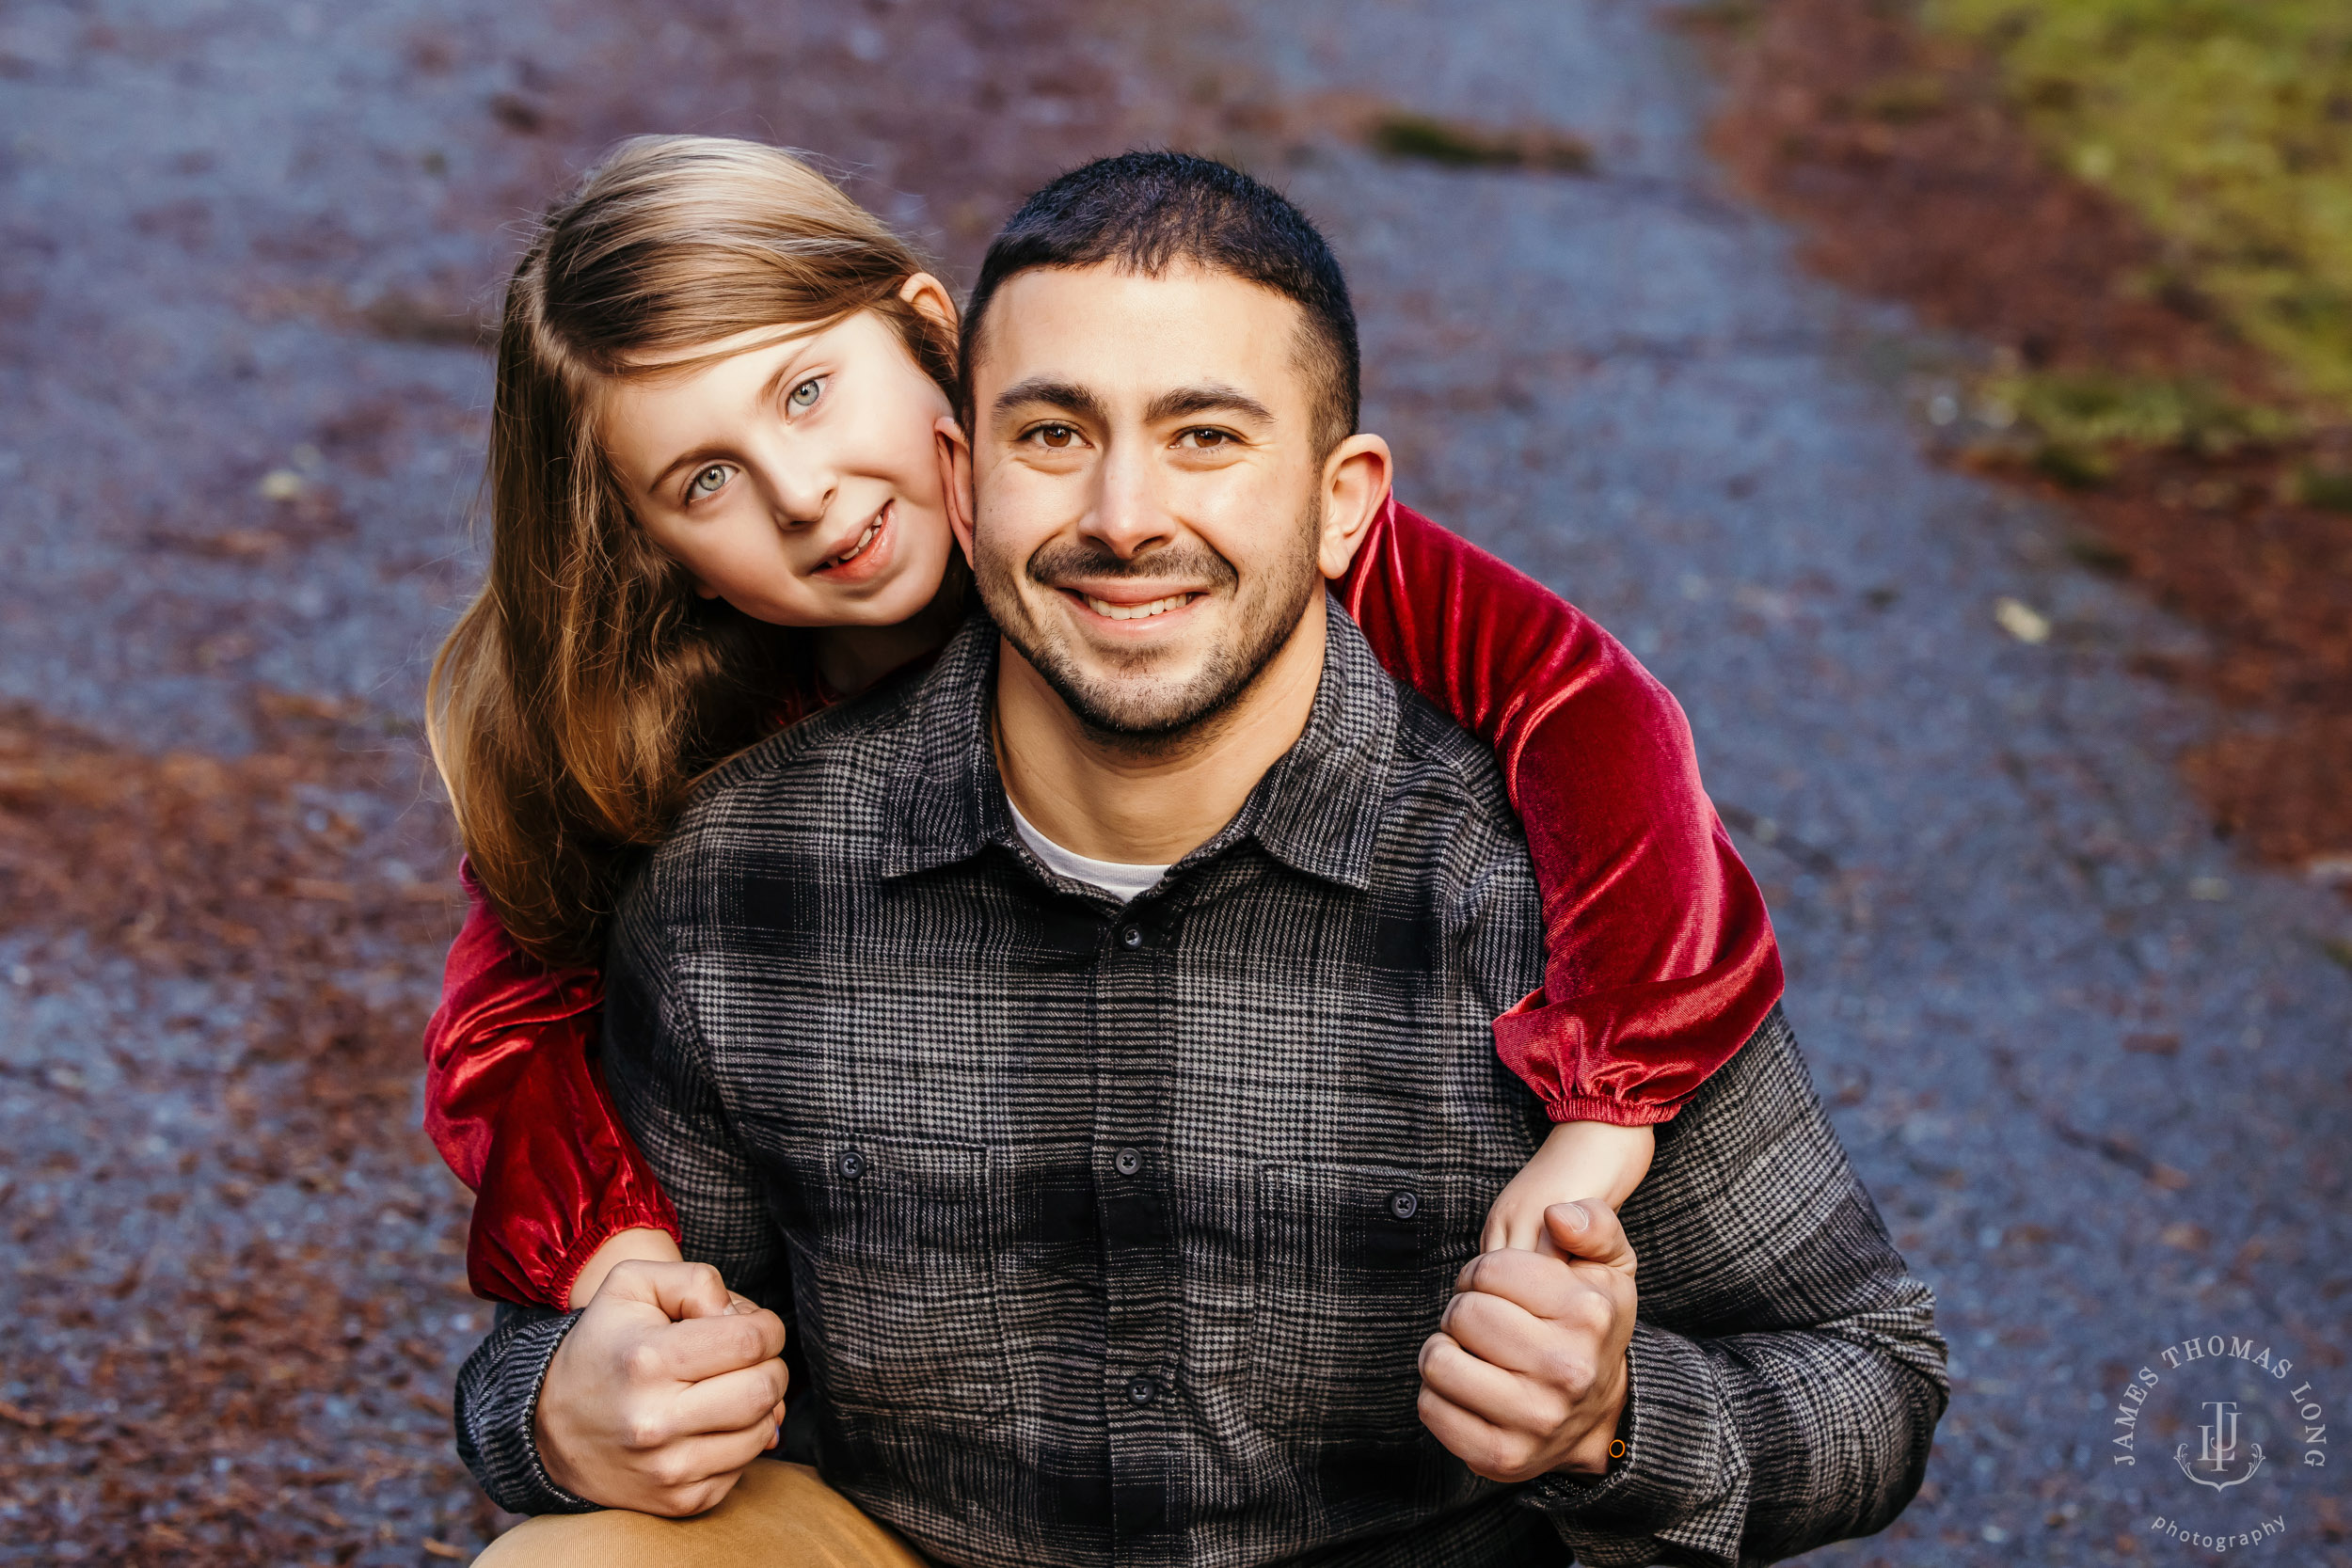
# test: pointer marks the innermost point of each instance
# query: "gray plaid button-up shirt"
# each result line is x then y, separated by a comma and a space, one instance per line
1110, 1234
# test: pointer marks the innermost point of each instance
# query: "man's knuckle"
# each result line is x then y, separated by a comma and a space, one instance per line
1570, 1371
644, 1362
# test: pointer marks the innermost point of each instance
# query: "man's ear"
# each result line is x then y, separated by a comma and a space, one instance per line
955, 479
1355, 480
929, 297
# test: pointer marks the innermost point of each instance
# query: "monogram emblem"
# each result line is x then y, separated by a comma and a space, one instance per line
2217, 1451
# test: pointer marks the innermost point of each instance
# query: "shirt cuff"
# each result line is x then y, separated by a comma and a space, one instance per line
498, 1409
1681, 1489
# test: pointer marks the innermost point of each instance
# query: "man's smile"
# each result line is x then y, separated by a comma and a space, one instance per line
1134, 610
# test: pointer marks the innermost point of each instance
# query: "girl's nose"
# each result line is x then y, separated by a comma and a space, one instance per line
802, 497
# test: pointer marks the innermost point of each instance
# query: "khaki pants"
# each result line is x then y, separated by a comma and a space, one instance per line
777, 1517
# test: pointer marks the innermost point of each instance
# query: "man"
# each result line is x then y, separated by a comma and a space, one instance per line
1086, 1042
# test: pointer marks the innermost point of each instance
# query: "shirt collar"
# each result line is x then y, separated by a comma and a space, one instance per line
1317, 809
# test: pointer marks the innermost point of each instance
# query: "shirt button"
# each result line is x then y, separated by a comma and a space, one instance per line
1131, 936
851, 1164
1127, 1160
1404, 1205
1143, 1389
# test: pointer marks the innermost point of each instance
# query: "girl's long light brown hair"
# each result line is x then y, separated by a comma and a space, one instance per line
587, 686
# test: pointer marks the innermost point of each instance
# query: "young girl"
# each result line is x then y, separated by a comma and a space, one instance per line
686, 552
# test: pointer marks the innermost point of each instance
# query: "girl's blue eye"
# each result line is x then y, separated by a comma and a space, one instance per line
709, 482
807, 392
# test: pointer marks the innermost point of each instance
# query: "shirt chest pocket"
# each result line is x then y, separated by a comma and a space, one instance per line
1354, 1265
895, 1276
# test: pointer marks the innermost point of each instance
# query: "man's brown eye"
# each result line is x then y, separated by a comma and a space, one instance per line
1056, 436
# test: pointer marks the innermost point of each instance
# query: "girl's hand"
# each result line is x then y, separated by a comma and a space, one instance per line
649, 1246
1581, 1160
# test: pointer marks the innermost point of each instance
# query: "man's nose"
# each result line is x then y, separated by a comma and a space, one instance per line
1130, 516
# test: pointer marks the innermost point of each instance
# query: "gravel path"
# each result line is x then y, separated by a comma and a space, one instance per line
2092, 1067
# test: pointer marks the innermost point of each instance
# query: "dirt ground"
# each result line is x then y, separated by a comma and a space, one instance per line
1915, 179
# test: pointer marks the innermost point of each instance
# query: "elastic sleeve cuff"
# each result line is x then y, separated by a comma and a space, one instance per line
566, 1272
498, 1409
1538, 1033
1681, 1490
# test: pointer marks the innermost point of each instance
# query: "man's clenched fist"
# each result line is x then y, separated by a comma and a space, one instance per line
1526, 1373
667, 1386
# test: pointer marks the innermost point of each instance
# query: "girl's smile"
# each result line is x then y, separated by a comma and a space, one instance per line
869, 555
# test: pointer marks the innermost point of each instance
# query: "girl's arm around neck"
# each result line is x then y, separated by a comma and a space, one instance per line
1660, 957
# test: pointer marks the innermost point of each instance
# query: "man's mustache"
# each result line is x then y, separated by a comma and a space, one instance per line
1059, 563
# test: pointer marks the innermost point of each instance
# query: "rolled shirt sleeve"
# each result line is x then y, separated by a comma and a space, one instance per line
498, 1407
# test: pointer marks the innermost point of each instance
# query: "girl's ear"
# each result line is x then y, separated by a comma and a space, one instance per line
1356, 481
928, 296
955, 479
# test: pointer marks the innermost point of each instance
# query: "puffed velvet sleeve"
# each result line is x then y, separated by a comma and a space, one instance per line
1659, 957
517, 1104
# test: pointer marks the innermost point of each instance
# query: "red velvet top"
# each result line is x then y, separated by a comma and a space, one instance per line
1659, 957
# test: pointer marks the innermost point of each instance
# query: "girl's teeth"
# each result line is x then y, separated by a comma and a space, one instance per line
1135, 612
863, 540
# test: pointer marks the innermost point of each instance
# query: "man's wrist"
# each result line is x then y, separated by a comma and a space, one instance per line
1604, 1442
553, 1461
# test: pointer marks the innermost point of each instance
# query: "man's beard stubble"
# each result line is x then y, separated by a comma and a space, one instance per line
1143, 715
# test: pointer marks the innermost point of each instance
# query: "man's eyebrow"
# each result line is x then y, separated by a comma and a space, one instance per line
1212, 398
1067, 396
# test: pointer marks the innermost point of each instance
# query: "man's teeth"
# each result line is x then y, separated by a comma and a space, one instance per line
1136, 611
859, 548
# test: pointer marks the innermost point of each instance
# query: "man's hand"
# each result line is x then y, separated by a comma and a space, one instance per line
666, 1387
1526, 1373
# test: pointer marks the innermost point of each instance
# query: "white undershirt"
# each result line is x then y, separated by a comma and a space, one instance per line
1121, 879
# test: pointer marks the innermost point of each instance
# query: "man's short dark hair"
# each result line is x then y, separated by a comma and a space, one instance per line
1151, 210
